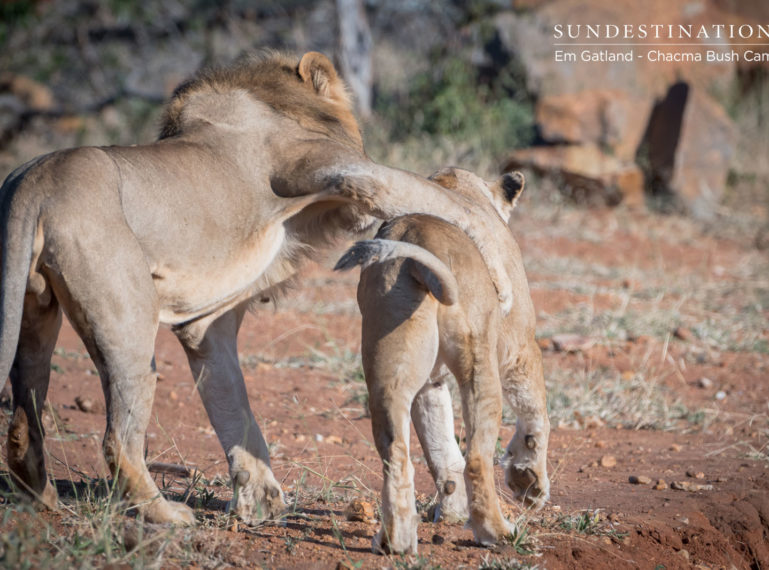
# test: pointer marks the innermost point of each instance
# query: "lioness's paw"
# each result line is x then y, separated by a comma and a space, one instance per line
162, 511
452, 505
529, 488
399, 543
257, 496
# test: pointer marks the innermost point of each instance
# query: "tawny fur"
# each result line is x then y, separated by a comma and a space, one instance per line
444, 314
258, 164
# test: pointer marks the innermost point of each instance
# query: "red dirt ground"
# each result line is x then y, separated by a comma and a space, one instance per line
295, 361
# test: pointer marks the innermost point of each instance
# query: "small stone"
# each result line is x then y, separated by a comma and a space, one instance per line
568, 342
700, 487
318, 437
720, 395
172, 395
684, 334
334, 439
681, 485
438, 539
300, 438
675, 447
722, 480
600, 444
639, 479
683, 554
695, 474
84, 404
704, 382
608, 461
359, 510
660, 485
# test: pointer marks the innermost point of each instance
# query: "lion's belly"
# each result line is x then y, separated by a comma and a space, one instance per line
200, 288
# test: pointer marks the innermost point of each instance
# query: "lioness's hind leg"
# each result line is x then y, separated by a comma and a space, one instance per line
30, 375
482, 406
433, 419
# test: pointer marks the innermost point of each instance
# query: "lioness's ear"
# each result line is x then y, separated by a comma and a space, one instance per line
510, 186
316, 69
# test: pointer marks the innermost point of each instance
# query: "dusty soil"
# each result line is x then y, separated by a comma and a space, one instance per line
638, 278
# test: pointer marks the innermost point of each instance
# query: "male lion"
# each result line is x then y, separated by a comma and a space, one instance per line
255, 162
428, 301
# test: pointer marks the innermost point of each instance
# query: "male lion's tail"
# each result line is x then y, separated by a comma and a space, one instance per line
17, 235
428, 269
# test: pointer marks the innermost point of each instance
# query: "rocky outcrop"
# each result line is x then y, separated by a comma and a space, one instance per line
655, 117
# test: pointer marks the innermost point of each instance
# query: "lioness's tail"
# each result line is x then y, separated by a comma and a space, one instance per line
428, 269
17, 235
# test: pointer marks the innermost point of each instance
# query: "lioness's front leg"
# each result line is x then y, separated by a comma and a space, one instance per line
211, 347
525, 460
433, 419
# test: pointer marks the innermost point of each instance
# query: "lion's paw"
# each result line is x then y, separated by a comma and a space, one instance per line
257, 496
161, 510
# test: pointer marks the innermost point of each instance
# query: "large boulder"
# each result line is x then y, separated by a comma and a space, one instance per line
627, 111
687, 150
613, 119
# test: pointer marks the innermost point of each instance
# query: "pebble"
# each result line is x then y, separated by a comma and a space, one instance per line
318, 437
704, 382
660, 485
675, 447
84, 404
695, 474
720, 395
334, 439
359, 510
639, 479
682, 333
438, 539
608, 461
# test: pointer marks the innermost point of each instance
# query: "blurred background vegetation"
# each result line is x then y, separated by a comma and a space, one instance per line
450, 82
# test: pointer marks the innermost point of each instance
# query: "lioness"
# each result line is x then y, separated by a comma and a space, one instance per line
428, 301
256, 162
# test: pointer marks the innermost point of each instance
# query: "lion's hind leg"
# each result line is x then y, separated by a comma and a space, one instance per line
106, 289
30, 375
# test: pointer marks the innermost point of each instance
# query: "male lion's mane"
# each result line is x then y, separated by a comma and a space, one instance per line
274, 79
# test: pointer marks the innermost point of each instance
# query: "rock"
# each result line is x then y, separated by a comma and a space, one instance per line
639, 479
660, 485
34, 95
334, 439
720, 395
437, 539
684, 334
695, 474
681, 485
608, 461
609, 118
687, 150
705, 382
675, 447
584, 172
359, 510
572, 343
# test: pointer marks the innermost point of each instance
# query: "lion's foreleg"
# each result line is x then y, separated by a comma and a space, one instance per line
212, 352
433, 419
